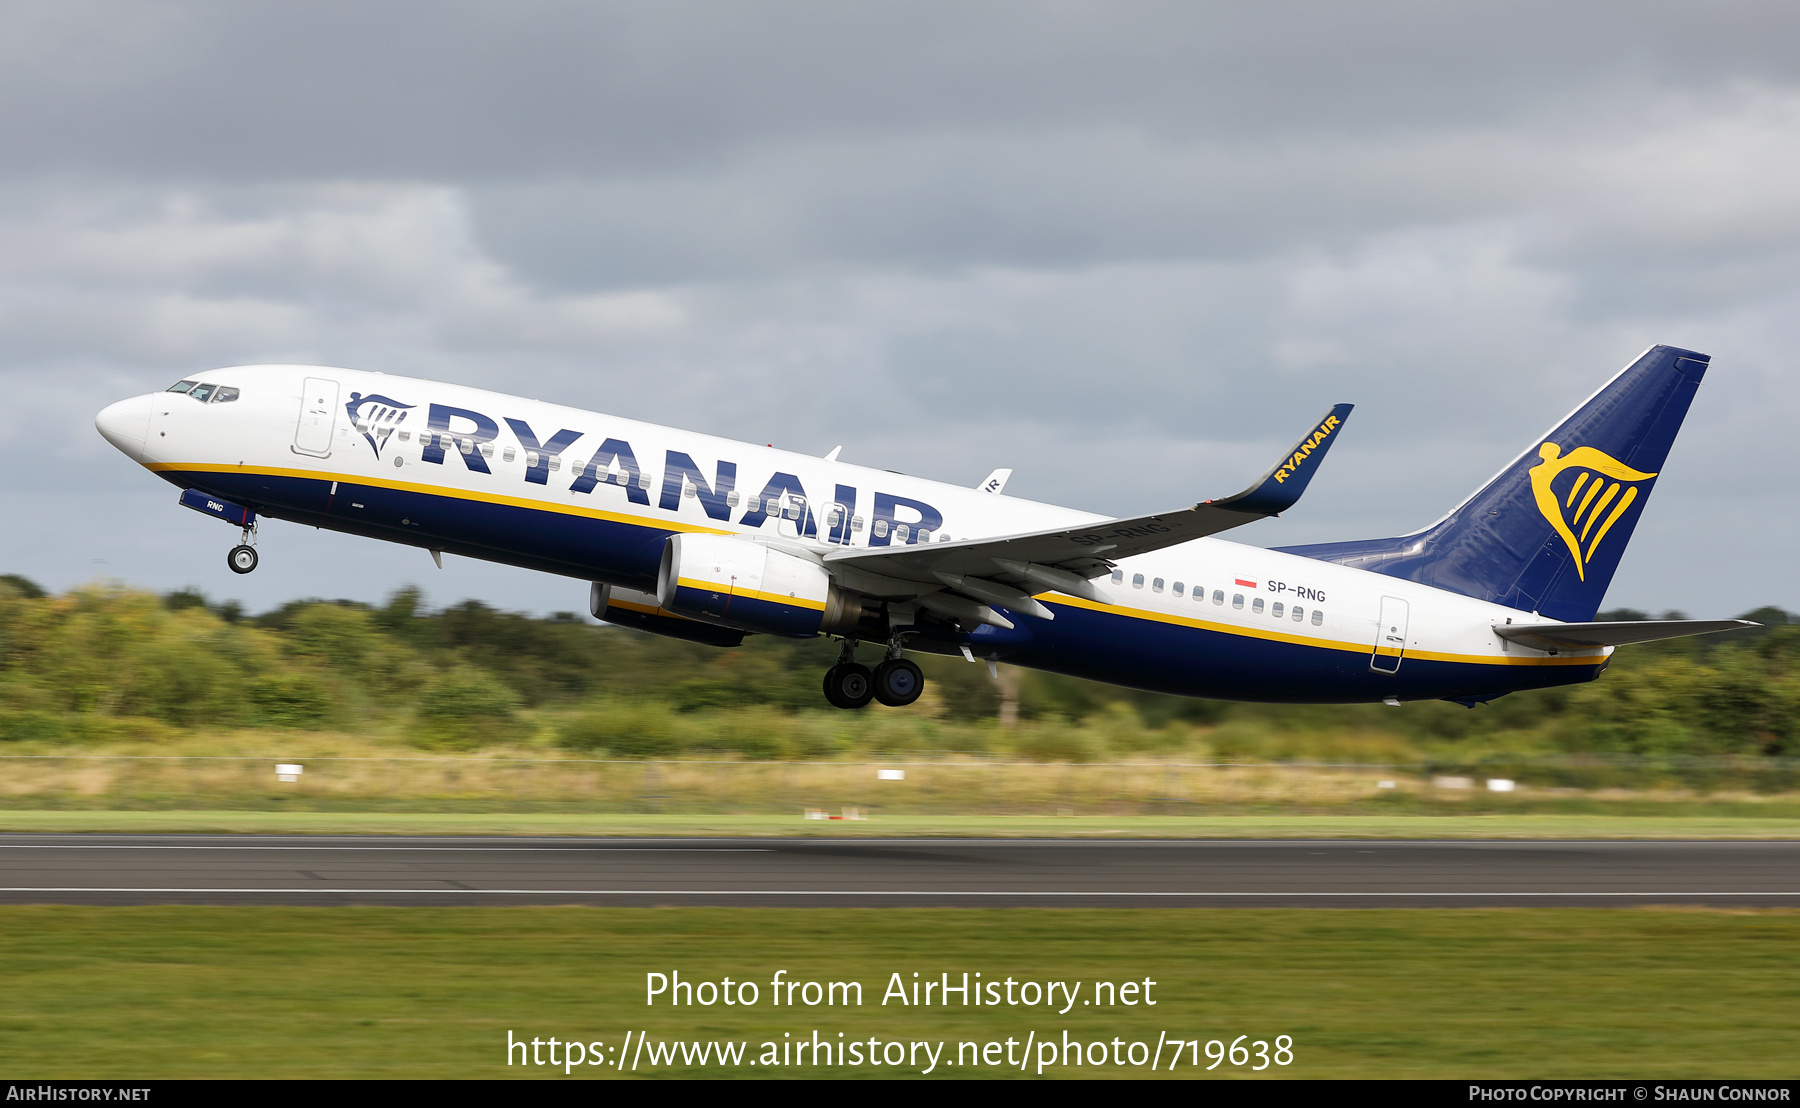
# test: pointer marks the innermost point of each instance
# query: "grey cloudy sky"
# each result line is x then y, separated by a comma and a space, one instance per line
1128, 248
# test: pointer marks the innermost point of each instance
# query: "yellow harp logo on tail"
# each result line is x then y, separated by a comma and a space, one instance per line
1601, 491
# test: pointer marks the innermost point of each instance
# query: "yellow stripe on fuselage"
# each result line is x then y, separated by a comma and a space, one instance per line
1055, 599
441, 490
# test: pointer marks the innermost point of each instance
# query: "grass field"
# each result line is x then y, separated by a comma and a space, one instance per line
1254, 826
433, 992
367, 786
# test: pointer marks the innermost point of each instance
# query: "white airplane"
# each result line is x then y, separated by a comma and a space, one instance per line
708, 539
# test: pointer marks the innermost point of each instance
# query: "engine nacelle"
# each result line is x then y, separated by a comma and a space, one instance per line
748, 585
641, 611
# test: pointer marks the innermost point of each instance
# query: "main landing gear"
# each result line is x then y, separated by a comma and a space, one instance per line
242, 558
896, 682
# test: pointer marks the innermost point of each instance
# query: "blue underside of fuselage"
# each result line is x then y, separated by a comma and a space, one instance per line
1080, 642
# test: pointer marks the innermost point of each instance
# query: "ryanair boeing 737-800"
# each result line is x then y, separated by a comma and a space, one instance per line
709, 540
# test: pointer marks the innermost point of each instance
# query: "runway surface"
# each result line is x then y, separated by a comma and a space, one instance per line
129, 869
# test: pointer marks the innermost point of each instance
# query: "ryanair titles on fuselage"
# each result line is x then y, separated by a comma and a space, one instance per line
452, 431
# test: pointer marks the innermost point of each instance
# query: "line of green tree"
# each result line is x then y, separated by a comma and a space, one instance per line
87, 665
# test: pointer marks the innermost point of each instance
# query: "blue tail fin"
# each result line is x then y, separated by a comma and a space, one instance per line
1546, 535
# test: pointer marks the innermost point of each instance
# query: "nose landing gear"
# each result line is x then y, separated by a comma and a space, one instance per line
242, 558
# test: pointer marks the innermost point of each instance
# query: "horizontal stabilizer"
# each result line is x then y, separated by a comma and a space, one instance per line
1586, 636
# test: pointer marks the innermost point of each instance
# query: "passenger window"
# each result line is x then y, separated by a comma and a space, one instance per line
1118, 577
467, 446
901, 531
1237, 600
942, 537
1257, 605
225, 395
731, 499
1137, 580
793, 508
881, 528
182, 386
1156, 585
924, 534
689, 491
506, 455
1299, 613
1219, 597
754, 504
832, 515
487, 449
406, 436
202, 392
1278, 610
1176, 588
856, 523
643, 478
1318, 617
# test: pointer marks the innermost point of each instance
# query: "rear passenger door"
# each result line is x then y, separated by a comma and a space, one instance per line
1390, 636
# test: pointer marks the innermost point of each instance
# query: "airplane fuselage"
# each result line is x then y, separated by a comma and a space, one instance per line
596, 497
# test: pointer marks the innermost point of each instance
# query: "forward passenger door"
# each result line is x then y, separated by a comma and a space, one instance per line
318, 417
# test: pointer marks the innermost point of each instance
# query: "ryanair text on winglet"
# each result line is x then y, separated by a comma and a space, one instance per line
1289, 467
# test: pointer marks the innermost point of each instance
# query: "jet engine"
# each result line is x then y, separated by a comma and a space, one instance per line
751, 586
641, 611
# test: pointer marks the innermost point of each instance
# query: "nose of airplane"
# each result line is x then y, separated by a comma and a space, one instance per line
126, 425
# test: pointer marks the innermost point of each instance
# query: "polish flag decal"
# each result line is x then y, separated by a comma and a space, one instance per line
1246, 584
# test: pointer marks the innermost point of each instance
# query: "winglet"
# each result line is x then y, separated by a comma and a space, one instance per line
1280, 488
996, 481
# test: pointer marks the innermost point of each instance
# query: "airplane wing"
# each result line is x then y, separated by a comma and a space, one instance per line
1007, 570
1586, 636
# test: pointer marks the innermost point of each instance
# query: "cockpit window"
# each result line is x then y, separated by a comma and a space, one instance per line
182, 386
225, 395
202, 393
